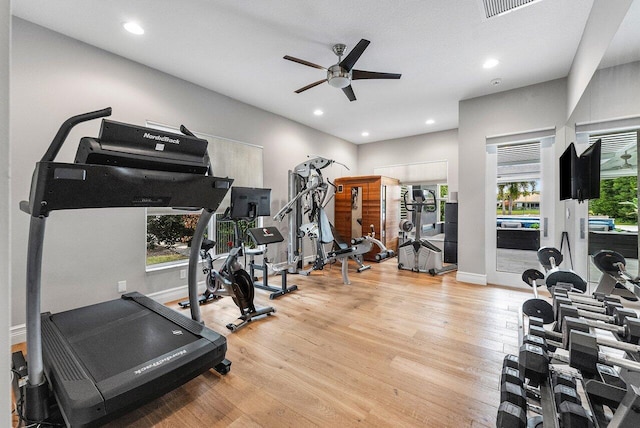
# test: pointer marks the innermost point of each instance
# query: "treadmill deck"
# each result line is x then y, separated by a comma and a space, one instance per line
108, 358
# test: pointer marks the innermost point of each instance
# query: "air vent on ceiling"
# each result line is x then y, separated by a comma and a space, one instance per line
493, 8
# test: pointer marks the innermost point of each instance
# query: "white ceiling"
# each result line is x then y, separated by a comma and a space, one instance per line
236, 48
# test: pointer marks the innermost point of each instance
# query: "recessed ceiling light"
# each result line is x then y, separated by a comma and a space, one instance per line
430, 122
318, 112
490, 63
133, 28
365, 134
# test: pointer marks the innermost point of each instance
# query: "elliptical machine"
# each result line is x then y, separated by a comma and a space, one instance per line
420, 255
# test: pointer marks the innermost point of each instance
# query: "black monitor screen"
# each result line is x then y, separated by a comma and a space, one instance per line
249, 202
580, 175
567, 166
590, 172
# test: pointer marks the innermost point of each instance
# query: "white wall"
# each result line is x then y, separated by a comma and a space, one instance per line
435, 146
88, 251
525, 109
5, 212
604, 19
612, 93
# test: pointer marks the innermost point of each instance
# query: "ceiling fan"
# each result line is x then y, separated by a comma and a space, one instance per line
341, 74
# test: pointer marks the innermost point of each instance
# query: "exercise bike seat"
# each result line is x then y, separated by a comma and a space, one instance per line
207, 244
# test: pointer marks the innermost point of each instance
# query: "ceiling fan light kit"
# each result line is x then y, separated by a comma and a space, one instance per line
341, 74
338, 77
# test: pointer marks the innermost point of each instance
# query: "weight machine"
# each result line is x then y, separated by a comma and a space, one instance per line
309, 193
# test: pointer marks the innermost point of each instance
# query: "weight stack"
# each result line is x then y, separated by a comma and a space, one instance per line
451, 232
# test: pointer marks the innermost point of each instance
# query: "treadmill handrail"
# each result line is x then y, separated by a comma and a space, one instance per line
66, 127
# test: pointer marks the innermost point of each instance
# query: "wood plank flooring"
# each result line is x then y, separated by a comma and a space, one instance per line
394, 348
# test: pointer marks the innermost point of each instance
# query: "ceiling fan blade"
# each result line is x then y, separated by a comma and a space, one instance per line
348, 91
310, 86
303, 62
361, 74
350, 60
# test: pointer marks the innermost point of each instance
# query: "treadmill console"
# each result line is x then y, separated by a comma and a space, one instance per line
131, 146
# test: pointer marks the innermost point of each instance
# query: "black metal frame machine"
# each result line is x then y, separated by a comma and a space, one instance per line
89, 365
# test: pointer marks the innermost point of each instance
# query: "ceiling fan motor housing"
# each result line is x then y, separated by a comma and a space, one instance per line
338, 77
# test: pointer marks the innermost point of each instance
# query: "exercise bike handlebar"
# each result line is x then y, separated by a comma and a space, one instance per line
66, 127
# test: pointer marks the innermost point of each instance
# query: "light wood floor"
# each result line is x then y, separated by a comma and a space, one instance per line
394, 348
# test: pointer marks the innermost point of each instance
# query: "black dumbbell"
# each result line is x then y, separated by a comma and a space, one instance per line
595, 299
536, 307
614, 314
513, 393
534, 362
511, 416
583, 355
593, 311
629, 330
573, 415
512, 412
511, 375
560, 378
579, 324
510, 360
564, 393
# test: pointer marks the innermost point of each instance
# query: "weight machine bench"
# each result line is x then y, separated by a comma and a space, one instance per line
265, 236
360, 246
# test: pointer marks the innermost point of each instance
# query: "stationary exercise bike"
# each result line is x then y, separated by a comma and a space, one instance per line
232, 280
420, 255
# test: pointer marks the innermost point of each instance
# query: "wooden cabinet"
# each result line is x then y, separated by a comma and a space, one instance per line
364, 201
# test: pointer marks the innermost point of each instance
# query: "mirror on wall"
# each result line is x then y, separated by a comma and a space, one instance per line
431, 222
613, 217
610, 110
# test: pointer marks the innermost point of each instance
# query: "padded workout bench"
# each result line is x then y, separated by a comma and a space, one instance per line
265, 236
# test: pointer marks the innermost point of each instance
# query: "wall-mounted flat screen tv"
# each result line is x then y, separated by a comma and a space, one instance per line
580, 175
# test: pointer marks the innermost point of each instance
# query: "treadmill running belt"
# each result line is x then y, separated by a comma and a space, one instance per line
126, 336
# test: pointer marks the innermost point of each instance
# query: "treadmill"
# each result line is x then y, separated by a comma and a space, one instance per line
90, 365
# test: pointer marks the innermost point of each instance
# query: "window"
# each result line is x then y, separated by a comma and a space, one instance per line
169, 231
168, 237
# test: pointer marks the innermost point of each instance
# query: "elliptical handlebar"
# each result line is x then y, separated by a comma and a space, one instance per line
428, 206
408, 204
66, 127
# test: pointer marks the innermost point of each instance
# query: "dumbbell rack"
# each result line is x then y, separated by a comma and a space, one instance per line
600, 393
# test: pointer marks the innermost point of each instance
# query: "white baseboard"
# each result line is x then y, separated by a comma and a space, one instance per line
19, 332
172, 294
472, 278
